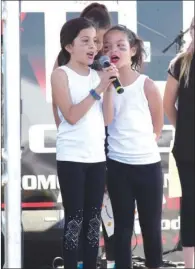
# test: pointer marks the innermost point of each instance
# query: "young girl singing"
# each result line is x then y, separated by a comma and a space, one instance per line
77, 92
134, 164
99, 15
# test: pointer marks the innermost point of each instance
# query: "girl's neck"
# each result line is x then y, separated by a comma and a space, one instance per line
127, 75
125, 70
79, 68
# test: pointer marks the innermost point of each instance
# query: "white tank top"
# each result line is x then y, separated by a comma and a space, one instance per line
83, 141
131, 139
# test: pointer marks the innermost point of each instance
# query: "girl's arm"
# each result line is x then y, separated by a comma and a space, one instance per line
155, 106
108, 106
170, 98
54, 107
55, 114
62, 99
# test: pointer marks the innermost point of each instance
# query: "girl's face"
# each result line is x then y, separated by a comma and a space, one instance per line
84, 47
100, 37
117, 47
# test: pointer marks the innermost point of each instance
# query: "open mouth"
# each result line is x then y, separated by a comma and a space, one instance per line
114, 59
90, 55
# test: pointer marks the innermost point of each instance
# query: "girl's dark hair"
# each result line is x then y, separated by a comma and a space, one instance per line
134, 41
98, 14
68, 33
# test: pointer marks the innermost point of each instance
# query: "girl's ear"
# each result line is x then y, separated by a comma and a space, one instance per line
68, 48
133, 51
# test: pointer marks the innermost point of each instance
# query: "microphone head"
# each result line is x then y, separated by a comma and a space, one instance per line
104, 61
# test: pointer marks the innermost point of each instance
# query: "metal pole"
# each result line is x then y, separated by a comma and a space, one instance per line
3, 175
1, 126
12, 132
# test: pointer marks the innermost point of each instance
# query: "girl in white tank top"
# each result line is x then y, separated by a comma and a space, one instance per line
134, 169
77, 92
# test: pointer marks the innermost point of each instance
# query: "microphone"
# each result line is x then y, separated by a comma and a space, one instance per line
105, 62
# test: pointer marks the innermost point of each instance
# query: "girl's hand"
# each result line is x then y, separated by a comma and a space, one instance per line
108, 75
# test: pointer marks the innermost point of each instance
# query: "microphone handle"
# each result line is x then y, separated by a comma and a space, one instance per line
117, 86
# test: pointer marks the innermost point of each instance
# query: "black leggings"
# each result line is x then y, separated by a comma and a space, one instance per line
187, 179
108, 244
143, 184
82, 187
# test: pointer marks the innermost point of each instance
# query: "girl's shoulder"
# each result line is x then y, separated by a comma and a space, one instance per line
175, 66
59, 71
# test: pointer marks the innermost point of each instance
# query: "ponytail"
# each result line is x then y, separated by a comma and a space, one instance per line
63, 57
138, 58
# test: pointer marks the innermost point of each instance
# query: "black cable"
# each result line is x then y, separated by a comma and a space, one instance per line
177, 247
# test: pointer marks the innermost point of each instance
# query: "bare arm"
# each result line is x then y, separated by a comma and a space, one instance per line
55, 114
169, 100
54, 107
108, 106
155, 105
61, 98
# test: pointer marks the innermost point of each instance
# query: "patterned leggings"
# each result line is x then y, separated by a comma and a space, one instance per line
82, 187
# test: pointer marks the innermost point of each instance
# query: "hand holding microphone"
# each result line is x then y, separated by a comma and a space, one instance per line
105, 63
108, 76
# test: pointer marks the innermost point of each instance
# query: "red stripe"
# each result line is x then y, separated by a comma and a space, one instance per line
36, 205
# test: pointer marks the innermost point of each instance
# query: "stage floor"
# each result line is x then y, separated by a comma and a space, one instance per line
139, 264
